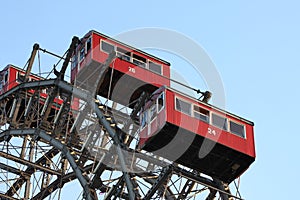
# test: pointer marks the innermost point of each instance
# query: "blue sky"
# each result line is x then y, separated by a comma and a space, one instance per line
255, 46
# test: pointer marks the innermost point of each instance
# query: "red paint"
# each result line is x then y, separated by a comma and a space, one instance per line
11, 73
12, 81
95, 54
179, 119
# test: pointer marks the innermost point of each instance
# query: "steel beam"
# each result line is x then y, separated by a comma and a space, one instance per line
87, 96
30, 170
57, 144
114, 189
96, 181
211, 184
117, 142
104, 69
28, 163
211, 195
64, 150
187, 188
28, 85
137, 107
13, 170
6, 197
28, 182
30, 61
58, 183
224, 195
159, 182
26, 78
60, 75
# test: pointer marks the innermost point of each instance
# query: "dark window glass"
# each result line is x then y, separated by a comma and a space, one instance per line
123, 51
201, 114
139, 61
20, 77
183, 106
144, 119
155, 67
152, 112
88, 44
74, 62
123, 54
108, 48
219, 121
6, 77
82, 52
160, 102
237, 129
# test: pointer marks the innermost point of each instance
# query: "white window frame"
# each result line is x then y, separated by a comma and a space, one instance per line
130, 57
149, 111
220, 115
146, 122
181, 99
208, 116
148, 66
22, 73
164, 100
78, 63
6, 76
238, 123
90, 38
135, 59
79, 54
101, 49
72, 61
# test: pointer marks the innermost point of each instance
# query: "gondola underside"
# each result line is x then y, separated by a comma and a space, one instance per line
113, 84
199, 153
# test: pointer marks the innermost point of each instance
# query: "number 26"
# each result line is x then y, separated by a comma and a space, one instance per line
131, 70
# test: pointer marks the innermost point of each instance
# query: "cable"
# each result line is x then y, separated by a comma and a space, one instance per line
170, 79
110, 82
39, 59
53, 54
61, 58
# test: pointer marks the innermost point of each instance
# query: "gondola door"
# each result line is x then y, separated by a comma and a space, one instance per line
153, 118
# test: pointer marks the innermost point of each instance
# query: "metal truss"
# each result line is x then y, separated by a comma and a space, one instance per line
85, 145
46, 143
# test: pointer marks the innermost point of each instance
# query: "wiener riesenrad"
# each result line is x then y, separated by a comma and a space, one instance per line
115, 130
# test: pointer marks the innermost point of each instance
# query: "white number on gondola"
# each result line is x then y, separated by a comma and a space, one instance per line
211, 131
131, 70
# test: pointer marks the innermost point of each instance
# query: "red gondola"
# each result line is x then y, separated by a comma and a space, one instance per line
196, 134
132, 72
12, 76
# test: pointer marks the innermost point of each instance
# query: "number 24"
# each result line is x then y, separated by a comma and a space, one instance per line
211, 131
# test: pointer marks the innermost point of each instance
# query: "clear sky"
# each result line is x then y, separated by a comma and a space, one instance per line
255, 46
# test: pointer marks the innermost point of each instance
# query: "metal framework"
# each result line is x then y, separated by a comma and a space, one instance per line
46, 145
